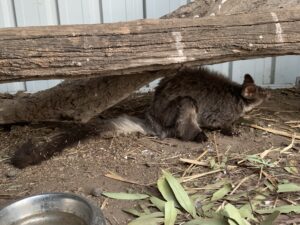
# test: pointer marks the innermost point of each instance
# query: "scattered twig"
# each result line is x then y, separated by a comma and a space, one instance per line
289, 146
279, 132
191, 166
119, 178
189, 178
292, 121
104, 203
217, 150
193, 162
239, 184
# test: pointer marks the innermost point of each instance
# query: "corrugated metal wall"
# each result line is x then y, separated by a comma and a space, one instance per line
279, 71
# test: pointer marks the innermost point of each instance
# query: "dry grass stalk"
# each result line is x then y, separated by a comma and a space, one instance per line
239, 184
193, 162
217, 150
271, 179
273, 131
292, 121
191, 166
119, 178
189, 178
289, 146
104, 203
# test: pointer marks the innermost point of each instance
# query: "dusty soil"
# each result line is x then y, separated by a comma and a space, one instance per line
82, 168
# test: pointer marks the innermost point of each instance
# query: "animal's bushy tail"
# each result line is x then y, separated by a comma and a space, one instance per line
37, 150
128, 124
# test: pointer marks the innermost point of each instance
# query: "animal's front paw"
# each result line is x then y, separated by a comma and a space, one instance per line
230, 132
200, 137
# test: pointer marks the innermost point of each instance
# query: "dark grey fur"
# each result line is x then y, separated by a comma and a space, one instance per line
181, 107
199, 98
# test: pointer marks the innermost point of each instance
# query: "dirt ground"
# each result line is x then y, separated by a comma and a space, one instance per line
81, 169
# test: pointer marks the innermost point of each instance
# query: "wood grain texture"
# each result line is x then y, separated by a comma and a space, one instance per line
145, 45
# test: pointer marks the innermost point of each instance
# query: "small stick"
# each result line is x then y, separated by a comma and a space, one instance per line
193, 162
217, 150
292, 121
289, 146
191, 166
279, 132
239, 184
119, 178
186, 179
104, 203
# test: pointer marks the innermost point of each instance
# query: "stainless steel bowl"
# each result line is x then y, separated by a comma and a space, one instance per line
51, 209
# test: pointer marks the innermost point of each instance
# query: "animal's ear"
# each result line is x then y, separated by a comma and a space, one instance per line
249, 91
248, 79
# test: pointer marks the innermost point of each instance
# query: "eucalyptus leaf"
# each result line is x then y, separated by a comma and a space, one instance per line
282, 209
165, 189
288, 187
152, 219
271, 218
221, 192
246, 211
214, 221
170, 213
292, 170
134, 212
158, 203
233, 213
124, 196
180, 194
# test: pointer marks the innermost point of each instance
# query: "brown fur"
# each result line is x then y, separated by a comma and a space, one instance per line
181, 107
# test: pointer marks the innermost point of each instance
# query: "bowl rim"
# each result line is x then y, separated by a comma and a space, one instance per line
97, 217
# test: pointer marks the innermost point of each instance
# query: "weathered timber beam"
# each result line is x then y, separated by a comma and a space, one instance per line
145, 45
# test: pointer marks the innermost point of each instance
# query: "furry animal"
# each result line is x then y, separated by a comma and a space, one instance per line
192, 100
182, 105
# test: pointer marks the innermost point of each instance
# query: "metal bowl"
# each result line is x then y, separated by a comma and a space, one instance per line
51, 209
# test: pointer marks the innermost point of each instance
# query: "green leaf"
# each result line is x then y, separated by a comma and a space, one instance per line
292, 167
180, 194
221, 192
271, 218
233, 213
134, 212
269, 185
215, 185
165, 189
289, 187
170, 213
158, 203
246, 212
208, 206
282, 209
214, 221
152, 219
258, 160
145, 208
124, 196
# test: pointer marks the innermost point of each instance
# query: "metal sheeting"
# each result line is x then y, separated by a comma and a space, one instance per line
279, 71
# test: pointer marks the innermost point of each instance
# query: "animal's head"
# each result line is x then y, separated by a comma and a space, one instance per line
253, 95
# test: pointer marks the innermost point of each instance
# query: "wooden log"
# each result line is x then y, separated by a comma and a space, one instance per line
145, 45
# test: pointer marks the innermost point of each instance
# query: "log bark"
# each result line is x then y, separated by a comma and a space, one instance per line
145, 45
